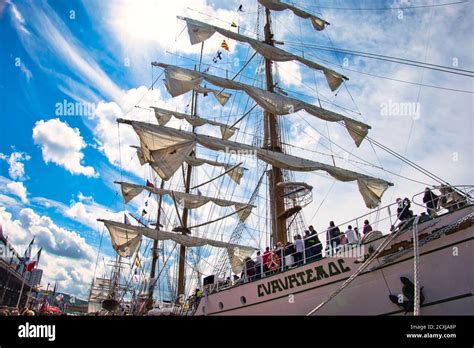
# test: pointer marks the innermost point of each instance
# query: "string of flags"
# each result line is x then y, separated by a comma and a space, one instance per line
148, 184
224, 45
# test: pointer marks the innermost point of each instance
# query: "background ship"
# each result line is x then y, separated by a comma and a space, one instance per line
411, 264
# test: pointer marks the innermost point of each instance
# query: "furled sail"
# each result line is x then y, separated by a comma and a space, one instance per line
125, 244
235, 174
186, 200
163, 116
276, 5
181, 80
221, 96
151, 136
120, 233
199, 32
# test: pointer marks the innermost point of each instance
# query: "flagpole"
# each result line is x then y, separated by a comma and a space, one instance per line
27, 252
29, 293
21, 292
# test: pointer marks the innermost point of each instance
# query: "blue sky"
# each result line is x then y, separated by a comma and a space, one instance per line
56, 171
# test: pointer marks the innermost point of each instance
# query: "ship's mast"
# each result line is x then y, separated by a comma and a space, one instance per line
182, 248
272, 142
155, 249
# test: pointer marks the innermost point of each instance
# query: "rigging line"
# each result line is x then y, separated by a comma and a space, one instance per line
243, 116
337, 145
424, 171
411, 82
430, 66
389, 78
220, 20
319, 95
217, 177
417, 103
214, 66
327, 101
324, 199
207, 248
241, 69
248, 97
351, 153
357, 107
325, 98
385, 8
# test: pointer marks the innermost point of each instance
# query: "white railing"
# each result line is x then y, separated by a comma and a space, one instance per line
284, 258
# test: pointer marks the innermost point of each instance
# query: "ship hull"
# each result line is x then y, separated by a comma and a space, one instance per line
445, 273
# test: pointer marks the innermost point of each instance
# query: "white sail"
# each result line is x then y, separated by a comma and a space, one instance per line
163, 116
186, 200
235, 174
221, 96
121, 232
199, 32
181, 80
151, 136
276, 5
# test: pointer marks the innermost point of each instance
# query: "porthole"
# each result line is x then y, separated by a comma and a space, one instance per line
221, 306
243, 300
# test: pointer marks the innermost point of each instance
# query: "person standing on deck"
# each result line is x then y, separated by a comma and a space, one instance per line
332, 237
299, 245
308, 245
367, 228
258, 265
351, 235
265, 259
431, 201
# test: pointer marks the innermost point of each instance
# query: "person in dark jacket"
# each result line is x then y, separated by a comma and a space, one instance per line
431, 201
367, 228
332, 237
314, 249
403, 210
308, 243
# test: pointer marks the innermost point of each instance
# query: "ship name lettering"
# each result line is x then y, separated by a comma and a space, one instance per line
302, 278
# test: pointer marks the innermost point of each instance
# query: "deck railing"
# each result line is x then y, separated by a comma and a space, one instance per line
282, 258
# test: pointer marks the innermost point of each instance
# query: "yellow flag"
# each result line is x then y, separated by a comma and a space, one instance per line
224, 45
137, 261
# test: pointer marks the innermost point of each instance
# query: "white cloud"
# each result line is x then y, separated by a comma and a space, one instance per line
18, 189
289, 73
62, 145
66, 257
104, 125
83, 198
54, 239
40, 27
88, 213
16, 168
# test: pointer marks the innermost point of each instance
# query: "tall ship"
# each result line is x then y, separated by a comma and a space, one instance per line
223, 229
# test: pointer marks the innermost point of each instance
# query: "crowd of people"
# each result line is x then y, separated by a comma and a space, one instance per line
302, 250
309, 248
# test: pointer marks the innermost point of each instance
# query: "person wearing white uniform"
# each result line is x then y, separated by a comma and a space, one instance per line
351, 235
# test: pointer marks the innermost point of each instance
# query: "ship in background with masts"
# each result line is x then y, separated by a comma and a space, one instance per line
361, 278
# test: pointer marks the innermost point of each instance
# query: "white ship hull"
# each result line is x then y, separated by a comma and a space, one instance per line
445, 272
